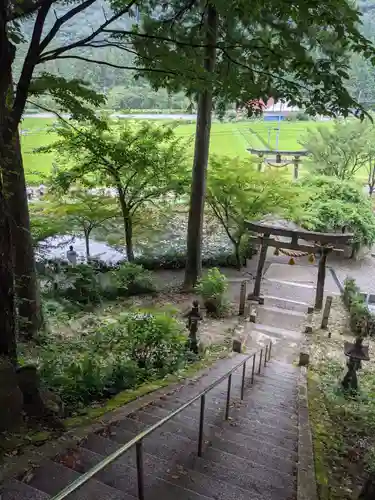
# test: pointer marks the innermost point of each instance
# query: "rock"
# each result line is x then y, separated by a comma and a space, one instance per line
38, 404
11, 400
237, 346
304, 359
202, 348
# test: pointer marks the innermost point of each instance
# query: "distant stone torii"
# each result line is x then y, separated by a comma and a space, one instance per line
312, 242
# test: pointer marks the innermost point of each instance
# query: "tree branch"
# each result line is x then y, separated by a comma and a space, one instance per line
63, 19
83, 41
111, 65
28, 69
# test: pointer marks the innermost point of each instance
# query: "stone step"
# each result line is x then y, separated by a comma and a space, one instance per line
273, 419
275, 478
256, 443
266, 432
288, 304
267, 308
214, 412
158, 472
280, 320
261, 456
287, 291
250, 482
135, 427
159, 481
16, 490
277, 332
216, 403
165, 446
52, 477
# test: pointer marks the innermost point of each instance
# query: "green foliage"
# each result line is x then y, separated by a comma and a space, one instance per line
237, 192
156, 342
143, 161
333, 204
292, 51
132, 279
74, 96
83, 212
362, 322
80, 285
106, 358
212, 289
44, 226
341, 150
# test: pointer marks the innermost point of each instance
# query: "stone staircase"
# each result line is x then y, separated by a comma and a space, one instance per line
252, 456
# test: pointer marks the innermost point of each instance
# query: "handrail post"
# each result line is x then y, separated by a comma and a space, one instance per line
266, 356
201, 426
269, 352
253, 369
260, 361
243, 381
228, 397
139, 454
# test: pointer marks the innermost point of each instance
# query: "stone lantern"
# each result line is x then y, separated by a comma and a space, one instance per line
356, 352
194, 316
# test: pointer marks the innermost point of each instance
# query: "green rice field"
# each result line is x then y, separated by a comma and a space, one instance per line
231, 139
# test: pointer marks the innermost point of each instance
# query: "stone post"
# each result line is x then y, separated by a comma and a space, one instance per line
321, 278
327, 310
241, 309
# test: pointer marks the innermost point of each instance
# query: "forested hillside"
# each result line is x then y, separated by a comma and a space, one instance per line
124, 92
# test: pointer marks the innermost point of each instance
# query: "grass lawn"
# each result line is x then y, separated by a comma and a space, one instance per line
231, 139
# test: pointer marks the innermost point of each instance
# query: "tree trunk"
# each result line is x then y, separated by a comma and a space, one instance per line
7, 302
237, 254
27, 290
87, 244
371, 189
199, 174
128, 225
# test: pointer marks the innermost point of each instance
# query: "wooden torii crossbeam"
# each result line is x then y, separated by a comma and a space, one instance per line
322, 243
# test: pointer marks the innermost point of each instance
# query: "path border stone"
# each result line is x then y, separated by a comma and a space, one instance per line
306, 481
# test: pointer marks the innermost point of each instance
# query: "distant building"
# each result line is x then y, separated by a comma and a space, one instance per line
271, 110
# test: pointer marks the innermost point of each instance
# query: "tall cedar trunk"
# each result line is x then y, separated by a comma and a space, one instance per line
7, 302
27, 290
199, 174
128, 225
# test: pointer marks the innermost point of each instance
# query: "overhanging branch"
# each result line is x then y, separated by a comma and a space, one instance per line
62, 20
83, 41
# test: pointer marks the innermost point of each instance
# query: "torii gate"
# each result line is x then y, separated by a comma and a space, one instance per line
323, 243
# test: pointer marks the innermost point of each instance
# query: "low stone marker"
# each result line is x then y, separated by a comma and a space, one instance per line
304, 358
326, 312
308, 327
241, 309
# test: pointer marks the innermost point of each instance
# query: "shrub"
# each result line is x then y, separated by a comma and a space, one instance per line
106, 358
156, 342
176, 259
362, 322
132, 279
212, 289
80, 284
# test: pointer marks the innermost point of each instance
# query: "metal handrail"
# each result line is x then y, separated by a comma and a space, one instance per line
137, 441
